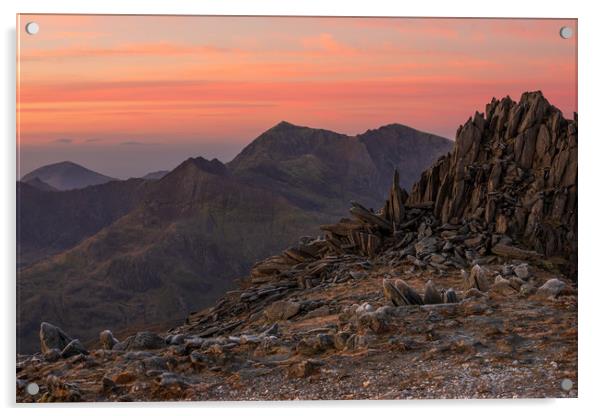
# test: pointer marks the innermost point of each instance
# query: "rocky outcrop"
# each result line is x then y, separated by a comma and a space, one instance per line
144, 340
476, 279
513, 170
52, 337
282, 310
107, 340
75, 347
551, 289
400, 293
431, 294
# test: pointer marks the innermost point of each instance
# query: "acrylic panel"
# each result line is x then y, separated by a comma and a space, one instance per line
279, 208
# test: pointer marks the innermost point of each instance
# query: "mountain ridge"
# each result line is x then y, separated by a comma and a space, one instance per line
155, 175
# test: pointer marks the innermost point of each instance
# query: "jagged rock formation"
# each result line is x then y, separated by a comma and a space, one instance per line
400, 293
514, 171
411, 229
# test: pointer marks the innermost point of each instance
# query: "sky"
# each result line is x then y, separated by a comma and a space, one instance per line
126, 95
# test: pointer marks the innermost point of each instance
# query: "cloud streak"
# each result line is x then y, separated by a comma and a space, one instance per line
160, 49
136, 143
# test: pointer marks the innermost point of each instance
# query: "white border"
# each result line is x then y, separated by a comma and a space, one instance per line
589, 177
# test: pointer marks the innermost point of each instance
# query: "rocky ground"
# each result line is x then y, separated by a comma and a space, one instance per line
343, 341
427, 298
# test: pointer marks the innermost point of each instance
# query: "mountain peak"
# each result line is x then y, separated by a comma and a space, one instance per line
66, 163
67, 175
396, 127
213, 166
285, 125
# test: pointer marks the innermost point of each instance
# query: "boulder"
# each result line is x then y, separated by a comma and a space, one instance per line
52, 337
477, 279
282, 310
177, 339
551, 289
432, 295
500, 279
377, 322
516, 283
316, 344
75, 347
522, 271
364, 308
400, 293
474, 293
527, 290
502, 288
144, 340
107, 340
340, 339
450, 296
52, 355
304, 368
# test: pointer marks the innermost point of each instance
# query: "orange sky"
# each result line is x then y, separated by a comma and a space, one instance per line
189, 86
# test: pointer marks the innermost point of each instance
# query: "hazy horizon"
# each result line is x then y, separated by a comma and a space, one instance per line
121, 156
105, 92
90, 156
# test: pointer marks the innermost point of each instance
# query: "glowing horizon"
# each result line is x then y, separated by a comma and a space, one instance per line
210, 85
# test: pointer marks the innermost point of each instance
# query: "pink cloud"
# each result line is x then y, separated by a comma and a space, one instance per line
326, 43
152, 49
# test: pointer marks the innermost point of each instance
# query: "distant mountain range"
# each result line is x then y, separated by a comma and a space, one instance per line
132, 253
64, 176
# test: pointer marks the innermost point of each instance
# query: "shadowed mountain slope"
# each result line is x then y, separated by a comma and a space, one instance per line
50, 222
178, 250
